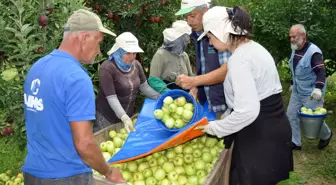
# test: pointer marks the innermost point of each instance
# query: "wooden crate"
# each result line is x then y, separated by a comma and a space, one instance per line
219, 174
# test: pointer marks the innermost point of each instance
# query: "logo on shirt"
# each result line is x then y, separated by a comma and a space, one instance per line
32, 102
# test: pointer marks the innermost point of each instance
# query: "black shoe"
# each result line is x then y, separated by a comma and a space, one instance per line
323, 143
295, 147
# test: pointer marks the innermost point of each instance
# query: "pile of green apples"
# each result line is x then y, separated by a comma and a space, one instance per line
175, 113
8, 178
317, 111
186, 164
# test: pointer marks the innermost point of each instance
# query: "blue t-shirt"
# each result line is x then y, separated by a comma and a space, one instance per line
57, 91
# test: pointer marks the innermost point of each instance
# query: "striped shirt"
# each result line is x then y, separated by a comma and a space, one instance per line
223, 58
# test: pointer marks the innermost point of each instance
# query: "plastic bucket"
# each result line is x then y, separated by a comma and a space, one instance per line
311, 124
175, 94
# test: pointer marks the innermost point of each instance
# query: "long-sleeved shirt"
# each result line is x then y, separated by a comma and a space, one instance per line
252, 76
317, 65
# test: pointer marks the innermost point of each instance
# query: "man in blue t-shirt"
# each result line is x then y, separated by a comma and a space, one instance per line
59, 105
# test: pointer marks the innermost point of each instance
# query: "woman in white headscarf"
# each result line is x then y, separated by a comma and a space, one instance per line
171, 60
256, 120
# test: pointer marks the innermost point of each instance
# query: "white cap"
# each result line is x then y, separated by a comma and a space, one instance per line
216, 20
178, 29
189, 5
128, 42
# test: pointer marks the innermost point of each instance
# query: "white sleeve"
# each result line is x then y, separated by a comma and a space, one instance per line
246, 104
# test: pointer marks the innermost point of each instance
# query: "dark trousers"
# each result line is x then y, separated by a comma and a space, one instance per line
82, 179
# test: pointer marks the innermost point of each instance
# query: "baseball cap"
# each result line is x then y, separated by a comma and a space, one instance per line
84, 20
189, 5
178, 29
216, 20
128, 42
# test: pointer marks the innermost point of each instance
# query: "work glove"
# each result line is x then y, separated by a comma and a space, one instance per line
206, 129
316, 94
128, 123
290, 88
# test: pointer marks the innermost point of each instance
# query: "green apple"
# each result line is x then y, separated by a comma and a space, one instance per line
127, 175
165, 182
193, 180
178, 123
107, 156
180, 170
172, 107
178, 161
132, 167
161, 160
189, 106
158, 114
152, 162
201, 179
168, 100
159, 174
172, 176
141, 182
176, 116
187, 114
201, 173
165, 118
151, 181
179, 111
190, 170
165, 111
178, 149
211, 142
123, 131
9, 183
187, 149
188, 158
156, 155
103, 147
138, 176
142, 166
170, 154
181, 101
110, 148
117, 142
182, 180
197, 152
207, 157
168, 167
112, 134
148, 173
170, 123
199, 165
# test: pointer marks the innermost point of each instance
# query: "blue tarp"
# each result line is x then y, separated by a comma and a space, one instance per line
149, 134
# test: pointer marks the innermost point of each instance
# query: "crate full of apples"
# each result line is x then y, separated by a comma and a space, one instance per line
189, 163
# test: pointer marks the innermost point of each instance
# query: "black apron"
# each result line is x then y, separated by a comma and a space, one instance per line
262, 152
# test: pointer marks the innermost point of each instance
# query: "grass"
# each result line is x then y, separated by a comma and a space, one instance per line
11, 157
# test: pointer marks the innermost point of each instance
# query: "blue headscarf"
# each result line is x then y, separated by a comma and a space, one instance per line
117, 56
